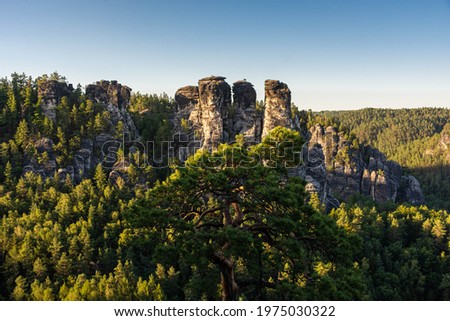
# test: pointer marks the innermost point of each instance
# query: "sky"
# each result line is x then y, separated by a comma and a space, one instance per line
333, 54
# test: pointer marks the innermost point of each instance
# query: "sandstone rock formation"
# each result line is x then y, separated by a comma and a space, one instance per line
45, 163
244, 119
215, 103
187, 101
445, 140
205, 115
50, 92
202, 118
444, 143
188, 131
335, 168
411, 191
277, 106
115, 98
332, 167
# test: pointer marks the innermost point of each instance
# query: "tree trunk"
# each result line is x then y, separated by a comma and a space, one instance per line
229, 287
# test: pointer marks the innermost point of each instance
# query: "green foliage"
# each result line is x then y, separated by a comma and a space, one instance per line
67, 244
21, 137
281, 149
151, 115
405, 253
229, 225
412, 137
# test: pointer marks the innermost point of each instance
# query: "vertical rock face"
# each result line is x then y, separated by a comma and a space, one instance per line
332, 167
188, 131
328, 140
188, 107
412, 192
335, 168
202, 118
244, 118
215, 104
186, 97
115, 98
50, 92
206, 115
212, 118
277, 106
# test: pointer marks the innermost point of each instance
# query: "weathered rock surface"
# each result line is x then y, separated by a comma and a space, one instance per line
45, 162
215, 103
444, 143
188, 113
445, 140
50, 92
120, 169
332, 168
187, 98
244, 119
411, 191
338, 169
202, 118
116, 98
102, 148
205, 115
188, 130
277, 106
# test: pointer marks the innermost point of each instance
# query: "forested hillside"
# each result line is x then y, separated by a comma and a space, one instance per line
418, 139
82, 223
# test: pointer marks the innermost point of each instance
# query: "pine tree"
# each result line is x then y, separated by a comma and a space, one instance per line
47, 127
64, 266
242, 219
21, 135
315, 202
28, 102
39, 268
63, 112
62, 147
11, 110
9, 178
100, 177
119, 130
74, 117
20, 292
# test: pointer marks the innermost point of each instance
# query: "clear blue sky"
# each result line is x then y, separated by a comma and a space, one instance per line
331, 53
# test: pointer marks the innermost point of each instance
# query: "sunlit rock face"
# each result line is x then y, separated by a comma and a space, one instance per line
332, 167
51, 92
277, 106
116, 98
215, 104
207, 114
203, 114
187, 100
